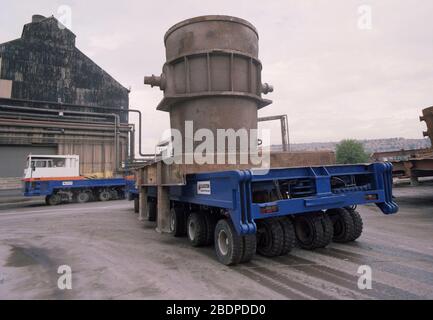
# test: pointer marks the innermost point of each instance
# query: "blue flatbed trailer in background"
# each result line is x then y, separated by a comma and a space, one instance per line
77, 189
242, 211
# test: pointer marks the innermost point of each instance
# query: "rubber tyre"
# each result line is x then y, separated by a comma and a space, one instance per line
210, 227
344, 227
104, 195
196, 229
136, 205
122, 194
177, 222
228, 244
114, 195
83, 197
289, 240
53, 200
249, 247
313, 230
270, 242
328, 229
357, 224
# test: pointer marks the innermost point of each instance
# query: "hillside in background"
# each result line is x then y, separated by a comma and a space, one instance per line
374, 145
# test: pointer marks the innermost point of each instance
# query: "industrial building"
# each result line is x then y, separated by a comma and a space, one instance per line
56, 100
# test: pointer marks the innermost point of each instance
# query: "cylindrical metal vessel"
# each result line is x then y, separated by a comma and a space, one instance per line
211, 32
212, 75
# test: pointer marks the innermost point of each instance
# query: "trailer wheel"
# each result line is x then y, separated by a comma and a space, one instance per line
344, 227
249, 247
289, 240
196, 229
82, 197
313, 230
114, 195
228, 244
270, 235
104, 195
328, 229
121, 193
210, 227
53, 199
136, 205
177, 222
357, 224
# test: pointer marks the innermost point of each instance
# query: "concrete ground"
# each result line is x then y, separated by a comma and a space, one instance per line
114, 256
12, 198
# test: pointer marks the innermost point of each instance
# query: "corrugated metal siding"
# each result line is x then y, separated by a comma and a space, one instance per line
95, 159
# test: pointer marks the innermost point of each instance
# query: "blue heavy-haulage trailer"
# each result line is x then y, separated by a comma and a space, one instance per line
245, 211
57, 177
79, 190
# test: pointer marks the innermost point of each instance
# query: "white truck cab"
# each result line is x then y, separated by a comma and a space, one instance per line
52, 166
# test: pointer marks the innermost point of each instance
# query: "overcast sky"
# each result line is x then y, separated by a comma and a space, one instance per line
333, 79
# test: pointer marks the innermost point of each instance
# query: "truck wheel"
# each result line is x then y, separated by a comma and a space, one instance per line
121, 194
114, 195
289, 240
249, 247
210, 227
82, 197
177, 222
344, 228
104, 195
53, 199
328, 229
228, 244
313, 230
357, 224
136, 205
196, 229
270, 235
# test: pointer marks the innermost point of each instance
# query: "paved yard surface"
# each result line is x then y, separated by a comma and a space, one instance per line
114, 256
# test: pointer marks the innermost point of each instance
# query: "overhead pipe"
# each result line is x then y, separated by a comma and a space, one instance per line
132, 143
50, 138
93, 113
89, 114
42, 102
59, 118
40, 125
96, 134
139, 133
43, 124
61, 112
285, 140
